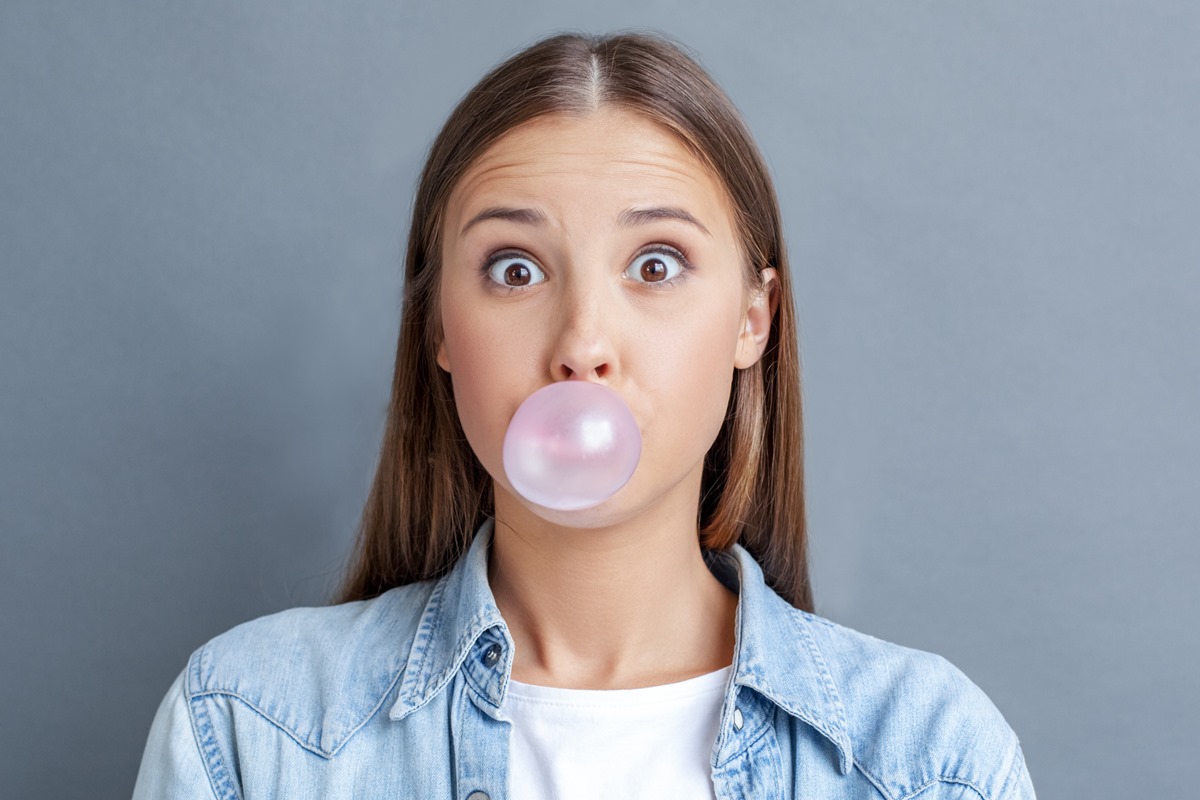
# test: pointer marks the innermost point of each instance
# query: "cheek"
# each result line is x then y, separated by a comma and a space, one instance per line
486, 368
690, 382
701, 362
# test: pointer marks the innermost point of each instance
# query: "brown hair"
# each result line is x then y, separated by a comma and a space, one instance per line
430, 493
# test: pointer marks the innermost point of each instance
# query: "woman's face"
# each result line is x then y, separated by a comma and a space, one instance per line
597, 248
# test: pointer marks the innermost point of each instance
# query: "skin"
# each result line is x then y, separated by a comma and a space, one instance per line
615, 596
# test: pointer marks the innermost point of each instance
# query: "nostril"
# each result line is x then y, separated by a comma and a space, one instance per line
599, 371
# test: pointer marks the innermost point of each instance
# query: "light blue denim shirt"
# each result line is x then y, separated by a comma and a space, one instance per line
402, 696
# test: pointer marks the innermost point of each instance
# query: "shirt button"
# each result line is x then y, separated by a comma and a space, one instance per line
490, 657
478, 795
738, 722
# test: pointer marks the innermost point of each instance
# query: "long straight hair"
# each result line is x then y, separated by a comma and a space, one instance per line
430, 493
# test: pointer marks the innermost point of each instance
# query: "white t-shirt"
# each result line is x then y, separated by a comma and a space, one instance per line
588, 744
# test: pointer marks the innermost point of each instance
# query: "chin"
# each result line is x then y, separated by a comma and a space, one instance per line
623, 507
604, 515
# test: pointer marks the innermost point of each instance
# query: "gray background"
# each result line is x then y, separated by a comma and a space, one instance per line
992, 212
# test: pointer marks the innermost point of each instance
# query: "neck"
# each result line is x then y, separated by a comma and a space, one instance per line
627, 605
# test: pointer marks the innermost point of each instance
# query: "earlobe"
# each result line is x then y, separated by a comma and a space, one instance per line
756, 332
442, 361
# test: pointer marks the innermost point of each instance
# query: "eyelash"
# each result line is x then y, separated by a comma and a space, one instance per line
663, 248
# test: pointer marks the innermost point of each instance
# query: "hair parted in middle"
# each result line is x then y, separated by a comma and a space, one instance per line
430, 493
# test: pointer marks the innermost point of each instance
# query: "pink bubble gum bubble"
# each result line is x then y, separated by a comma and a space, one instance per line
571, 445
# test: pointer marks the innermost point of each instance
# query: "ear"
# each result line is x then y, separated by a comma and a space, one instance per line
756, 332
442, 360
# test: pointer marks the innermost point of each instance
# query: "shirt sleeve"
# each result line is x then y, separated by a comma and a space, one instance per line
171, 765
1019, 785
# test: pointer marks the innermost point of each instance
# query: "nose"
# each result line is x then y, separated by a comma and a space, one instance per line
584, 348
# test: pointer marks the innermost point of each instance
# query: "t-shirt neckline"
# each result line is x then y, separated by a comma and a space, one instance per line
707, 683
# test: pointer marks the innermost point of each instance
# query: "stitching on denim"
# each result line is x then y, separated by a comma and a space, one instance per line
458, 706
476, 629
430, 684
1014, 774
250, 704
429, 624
199, 664
1012, 777
219, 779
874, 781
724, 734
746, 748
878, 784
295, 735
371, 714
777, 762
477, 688
431, 688
946, 779
830, 690
763, 730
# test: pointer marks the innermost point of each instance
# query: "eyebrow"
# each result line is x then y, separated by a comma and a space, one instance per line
526, 216
627, 218
640, 216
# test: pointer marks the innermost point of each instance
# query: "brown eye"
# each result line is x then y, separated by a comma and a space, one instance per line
514, 271
516, 275
653, 270
657, 267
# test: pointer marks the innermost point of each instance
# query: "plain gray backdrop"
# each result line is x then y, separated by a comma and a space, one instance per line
992, 212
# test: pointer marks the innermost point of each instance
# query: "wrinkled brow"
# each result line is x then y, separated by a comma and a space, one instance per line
628, 218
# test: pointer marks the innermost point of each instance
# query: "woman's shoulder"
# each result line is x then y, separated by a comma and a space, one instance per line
913, 718
906, 719
317, 672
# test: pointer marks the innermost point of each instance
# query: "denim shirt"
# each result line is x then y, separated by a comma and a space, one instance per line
402, 696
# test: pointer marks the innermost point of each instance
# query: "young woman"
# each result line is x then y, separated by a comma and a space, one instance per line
593, 214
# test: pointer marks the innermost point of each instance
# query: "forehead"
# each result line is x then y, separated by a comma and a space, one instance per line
603, 158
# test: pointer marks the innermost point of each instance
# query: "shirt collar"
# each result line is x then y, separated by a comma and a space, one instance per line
460, 619
777, 654
461, 628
